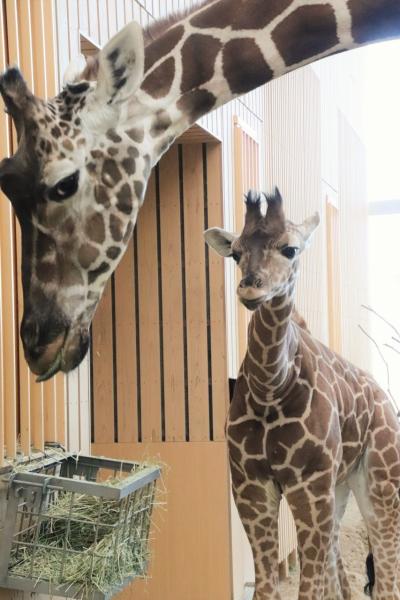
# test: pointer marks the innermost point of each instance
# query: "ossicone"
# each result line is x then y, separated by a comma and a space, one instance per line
274, 198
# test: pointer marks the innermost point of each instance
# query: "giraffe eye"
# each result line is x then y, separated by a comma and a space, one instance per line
236, 257
289, 251
65, 187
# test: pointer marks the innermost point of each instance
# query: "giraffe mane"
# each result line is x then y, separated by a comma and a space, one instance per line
150, 33
159, 27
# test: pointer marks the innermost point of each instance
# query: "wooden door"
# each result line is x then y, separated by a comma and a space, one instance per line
159, 372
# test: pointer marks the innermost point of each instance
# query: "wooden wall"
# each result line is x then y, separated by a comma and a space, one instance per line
159, 353
31, 413
246, 177
159, 372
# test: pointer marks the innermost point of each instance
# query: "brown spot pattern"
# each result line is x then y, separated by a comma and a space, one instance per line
158, 83
244, 65
306, 32
124, 199
199, 53
137, 135
111, 174
196, 103
252, 14
116, 228
374, 20
162, 46
95, 229
87, 255
160, 124
129, 165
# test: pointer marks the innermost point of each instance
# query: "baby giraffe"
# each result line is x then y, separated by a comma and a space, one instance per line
304, 423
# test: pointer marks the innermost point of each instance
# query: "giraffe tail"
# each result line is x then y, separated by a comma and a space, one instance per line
369, 565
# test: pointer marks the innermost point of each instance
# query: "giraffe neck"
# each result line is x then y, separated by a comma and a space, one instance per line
229, 47
269, 364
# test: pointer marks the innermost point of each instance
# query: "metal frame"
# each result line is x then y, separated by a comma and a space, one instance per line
33, 489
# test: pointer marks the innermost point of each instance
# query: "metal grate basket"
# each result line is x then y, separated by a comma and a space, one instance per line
76, 526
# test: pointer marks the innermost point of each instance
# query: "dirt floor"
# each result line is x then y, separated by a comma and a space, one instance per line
354, 546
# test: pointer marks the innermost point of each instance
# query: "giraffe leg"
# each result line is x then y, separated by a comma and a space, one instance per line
336, 582
258, 506
379, 505
314, 514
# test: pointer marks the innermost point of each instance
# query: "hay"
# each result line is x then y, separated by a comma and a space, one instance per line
87, 543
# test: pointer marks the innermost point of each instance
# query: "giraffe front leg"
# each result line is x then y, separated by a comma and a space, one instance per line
314, 515
336, 582
258, 506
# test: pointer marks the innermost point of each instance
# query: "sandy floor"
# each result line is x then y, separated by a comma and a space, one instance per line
354, 548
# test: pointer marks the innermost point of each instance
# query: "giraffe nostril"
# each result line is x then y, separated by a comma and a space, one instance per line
30, 333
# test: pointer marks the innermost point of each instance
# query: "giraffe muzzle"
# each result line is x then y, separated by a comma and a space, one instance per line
253, 304
63, 352
71, 354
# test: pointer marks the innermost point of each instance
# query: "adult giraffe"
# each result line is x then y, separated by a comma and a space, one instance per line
80, 172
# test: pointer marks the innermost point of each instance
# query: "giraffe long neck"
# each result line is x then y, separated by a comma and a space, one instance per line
229, 47
269, 363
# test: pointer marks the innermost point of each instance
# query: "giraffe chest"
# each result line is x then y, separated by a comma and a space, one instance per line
304, 434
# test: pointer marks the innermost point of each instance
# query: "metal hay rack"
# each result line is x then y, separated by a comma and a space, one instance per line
75, 526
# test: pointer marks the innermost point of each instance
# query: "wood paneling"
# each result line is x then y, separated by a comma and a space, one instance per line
172, 282
216, 284
196, 301
149, 316
102, 370
9, 366
126, 359
26, 40
247, 176
159, 341
191, 538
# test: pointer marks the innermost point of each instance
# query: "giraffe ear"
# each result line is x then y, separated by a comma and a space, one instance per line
74, 70
220, 240
120, 65
308, 227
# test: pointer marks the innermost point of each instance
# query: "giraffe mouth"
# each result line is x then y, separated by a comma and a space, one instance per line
70, 355
253, 304
52, 370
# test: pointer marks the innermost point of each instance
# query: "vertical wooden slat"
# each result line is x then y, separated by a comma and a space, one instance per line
196, 324
43, 397
60, 385
49, 412
7, 274
11, 410
219, 364
126, 361
73, 421
3, 138
84, 406
29, 397
173, 326
240, 185
149, 317
246, 158
103, 369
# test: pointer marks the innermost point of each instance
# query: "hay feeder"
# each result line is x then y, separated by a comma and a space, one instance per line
75, 526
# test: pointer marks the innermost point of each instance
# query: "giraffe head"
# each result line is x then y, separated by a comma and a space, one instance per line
76, 183
267, 250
